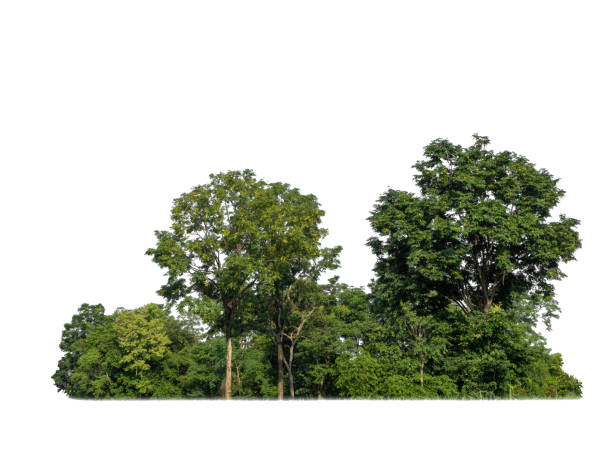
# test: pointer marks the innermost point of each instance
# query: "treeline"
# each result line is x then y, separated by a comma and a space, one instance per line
462, 280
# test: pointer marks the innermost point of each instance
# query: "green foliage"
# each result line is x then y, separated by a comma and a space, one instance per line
206, 370
546, 379
252, 375
346, 351
236, 236
212, 251
480, 233
235, 232
88, 318
132, 354
100, 360
489, 352
359, 376
143, 340
463, 278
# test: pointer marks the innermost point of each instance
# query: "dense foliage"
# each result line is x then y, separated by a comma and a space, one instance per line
463, 279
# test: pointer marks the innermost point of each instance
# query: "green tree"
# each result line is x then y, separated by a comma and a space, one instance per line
422, 337
231, 237
88, 318
360, 376
96, 373
141, 335
546, 379
337, 332
212, 251
303, 298
481, 232
315, 358
489, 352
252, 368
295, 258
141, 353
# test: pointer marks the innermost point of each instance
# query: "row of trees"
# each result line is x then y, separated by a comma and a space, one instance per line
462, 279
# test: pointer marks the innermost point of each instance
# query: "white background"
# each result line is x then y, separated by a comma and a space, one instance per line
109, 110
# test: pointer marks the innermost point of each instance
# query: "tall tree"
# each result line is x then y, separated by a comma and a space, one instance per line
481, 232
231, 237
212, 250
295, 259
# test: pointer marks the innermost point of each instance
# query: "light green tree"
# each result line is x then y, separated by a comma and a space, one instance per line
142, 337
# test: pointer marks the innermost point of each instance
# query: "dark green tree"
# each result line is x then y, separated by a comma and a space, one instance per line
320, 345
546, 379
88, 318
96, 373
338, 331
481, 232
422, 337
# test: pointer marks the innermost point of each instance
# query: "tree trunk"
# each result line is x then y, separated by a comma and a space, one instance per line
421, 368
291, 389
320, 391
280, 357
229, 311
228, 366
290, 372
238, 383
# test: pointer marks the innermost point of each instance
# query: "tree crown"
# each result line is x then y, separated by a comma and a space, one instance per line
481, 231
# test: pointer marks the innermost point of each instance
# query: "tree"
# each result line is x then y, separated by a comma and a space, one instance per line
320, 345
138, 353
141, 335
232, 237
88, 318
481, 232
303, 299
295, 259
422, 337
546, 379
489, 352
464, 274
212, 251
336, 333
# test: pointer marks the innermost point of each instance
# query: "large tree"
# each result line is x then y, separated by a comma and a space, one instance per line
481, 232
295, 259
232, 237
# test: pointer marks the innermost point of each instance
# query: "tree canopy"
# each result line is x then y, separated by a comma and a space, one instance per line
232, 237
464, 275
481, 231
